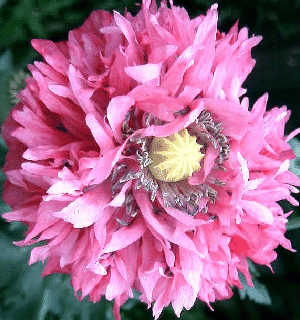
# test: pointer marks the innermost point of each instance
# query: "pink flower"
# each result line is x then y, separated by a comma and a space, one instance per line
133, 155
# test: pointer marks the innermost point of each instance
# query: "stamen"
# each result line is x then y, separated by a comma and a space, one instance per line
207, 131
186, 145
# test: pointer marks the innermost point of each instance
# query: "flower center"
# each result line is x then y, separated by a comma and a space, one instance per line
175, 157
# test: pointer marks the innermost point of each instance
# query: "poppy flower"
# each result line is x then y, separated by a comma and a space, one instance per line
136, 161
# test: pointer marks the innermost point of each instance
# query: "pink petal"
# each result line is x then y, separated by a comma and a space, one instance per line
55, 103
27, 214
259, 108
81, 90
100, 228
36, 132
158, 224
175, 126
234, 119
62, 91
161, 53
52, 54
118, 79
188, 221
208, 25
183, 296
133, 50
51, 73
156, 101
125, 236
128, 267
116, 285
188, 94
192, 265
292, 134
116, 112
174, 76
119, 199
46, 217
258, 211
144, 73
102, 138
41, 170
86, 209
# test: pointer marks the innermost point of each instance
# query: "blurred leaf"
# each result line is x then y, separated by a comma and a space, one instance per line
17, 83
6, 61
295, 163
3, 146
53, 7
3, 207
253, 270
25, 295
11, 256
258, 293
5, 71
293, 223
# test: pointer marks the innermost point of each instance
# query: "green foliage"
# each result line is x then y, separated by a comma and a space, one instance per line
293, 223
21, 21
295, 163
25, 295
257, 293
6, 67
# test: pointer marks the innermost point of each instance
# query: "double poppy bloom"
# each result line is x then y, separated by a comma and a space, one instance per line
136, 161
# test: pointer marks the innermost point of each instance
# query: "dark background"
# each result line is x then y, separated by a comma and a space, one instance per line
23, 294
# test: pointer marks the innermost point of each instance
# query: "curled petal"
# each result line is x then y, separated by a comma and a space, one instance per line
86, 209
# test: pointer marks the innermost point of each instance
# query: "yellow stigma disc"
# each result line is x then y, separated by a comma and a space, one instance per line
175, 157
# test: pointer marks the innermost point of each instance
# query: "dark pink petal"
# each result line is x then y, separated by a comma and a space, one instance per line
51, 54
103, 139
35, 132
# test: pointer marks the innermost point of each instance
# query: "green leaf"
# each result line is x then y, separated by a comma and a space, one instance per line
293, 223
10, 258
6, 61
3, 207
253, 270
295, 163
25, 295
258, 293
